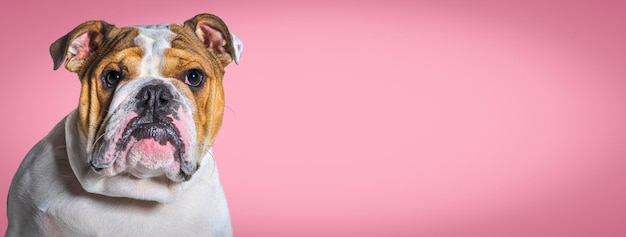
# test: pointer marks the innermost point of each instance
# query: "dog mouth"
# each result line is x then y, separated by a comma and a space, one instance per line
150, 147
162, 133
159, 131
150, 140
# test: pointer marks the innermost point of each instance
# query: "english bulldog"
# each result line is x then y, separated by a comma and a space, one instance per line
134, 159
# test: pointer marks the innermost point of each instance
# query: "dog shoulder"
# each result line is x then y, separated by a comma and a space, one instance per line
33, 186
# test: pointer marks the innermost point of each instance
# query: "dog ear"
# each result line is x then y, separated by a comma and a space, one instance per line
76, 46
212, 31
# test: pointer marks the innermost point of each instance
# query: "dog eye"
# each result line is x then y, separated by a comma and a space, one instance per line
111, 78
194, 77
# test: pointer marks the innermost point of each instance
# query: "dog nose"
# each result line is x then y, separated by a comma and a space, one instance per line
153, 97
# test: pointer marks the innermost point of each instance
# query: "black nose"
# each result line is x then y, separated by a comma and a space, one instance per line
153, 98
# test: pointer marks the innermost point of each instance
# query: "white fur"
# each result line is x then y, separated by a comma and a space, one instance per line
46, 199
237, 47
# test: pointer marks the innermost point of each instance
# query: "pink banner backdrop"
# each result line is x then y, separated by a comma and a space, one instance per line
381, 118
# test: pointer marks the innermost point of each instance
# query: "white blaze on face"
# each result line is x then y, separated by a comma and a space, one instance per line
154, 39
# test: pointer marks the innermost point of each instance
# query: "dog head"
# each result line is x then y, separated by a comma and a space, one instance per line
151, 102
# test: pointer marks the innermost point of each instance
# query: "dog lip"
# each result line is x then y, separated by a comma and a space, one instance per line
158, 128
160, 132
98, 167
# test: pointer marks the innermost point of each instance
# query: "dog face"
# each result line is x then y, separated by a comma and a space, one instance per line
151, 100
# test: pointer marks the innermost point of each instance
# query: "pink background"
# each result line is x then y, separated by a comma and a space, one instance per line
381, 118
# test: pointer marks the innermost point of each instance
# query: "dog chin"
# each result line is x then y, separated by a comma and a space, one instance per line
147, 158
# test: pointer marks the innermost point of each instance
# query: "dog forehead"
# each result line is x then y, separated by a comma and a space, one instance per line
154, 40
153, 32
